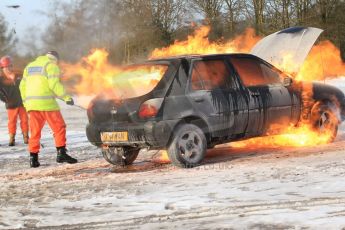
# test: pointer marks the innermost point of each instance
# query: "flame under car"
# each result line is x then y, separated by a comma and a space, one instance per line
187, 104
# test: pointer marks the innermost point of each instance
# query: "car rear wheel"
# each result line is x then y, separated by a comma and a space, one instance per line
325, 119
188, 146
120, 156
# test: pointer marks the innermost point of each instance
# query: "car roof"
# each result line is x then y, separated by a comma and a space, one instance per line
196, 56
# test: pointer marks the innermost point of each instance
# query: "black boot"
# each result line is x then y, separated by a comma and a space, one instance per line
62, 156
34, 163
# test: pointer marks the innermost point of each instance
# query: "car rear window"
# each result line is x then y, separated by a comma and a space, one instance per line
137, 80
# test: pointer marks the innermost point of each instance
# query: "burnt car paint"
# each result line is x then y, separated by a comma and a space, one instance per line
223, 114
268, 104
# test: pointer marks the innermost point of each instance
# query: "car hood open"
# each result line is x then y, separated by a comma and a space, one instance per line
293, 44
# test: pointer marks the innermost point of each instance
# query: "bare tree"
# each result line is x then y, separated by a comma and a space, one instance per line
278, 14
259, 7
255, 10
130, 29
136, 26
210, 8
327, 9
233, 8
302, 8
285, 13
212, 11
168, 16
7, 40
67, 32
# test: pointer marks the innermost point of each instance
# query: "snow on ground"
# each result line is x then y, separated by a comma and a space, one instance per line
277, 188
338, 82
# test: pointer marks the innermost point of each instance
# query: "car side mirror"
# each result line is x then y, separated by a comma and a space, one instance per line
287, 81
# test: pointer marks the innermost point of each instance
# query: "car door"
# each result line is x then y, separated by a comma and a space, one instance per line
213, 94
269, 101
280, 112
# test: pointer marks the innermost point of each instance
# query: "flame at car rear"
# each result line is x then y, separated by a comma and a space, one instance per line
94, 75
91, 75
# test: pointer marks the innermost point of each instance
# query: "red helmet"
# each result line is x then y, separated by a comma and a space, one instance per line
5, 61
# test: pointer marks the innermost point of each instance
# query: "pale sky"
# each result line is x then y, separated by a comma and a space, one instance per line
24, 17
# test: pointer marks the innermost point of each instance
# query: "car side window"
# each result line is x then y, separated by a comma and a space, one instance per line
254, 73
271, 75
210, 74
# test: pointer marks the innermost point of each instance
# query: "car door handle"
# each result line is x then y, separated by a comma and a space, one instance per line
255, 94
199, 99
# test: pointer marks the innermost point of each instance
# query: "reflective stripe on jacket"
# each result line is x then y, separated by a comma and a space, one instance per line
41, 85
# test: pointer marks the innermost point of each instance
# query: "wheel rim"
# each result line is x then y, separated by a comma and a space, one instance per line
110, 156
106, 155
325, 122
190, 146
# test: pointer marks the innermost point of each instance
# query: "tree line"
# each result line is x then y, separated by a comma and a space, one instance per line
131, 29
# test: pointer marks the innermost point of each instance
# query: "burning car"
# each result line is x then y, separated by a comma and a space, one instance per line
187, 104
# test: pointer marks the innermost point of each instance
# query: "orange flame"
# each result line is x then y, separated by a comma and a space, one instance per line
94, 73
198, 43
323, 61
163, 158
291, 137
97, 76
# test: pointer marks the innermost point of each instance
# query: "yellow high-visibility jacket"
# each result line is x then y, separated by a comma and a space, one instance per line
41, 85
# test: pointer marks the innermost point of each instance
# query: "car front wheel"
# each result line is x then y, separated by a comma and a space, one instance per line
325, 119
188, 146
120, 155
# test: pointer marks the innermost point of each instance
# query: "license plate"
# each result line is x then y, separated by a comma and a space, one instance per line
114, 136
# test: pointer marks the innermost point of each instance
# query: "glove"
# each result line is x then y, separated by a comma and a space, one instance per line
70, 102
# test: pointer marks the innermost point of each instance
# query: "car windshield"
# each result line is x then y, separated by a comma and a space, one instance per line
137, 80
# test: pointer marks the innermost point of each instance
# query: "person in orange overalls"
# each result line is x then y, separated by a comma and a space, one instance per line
39, 89
10, 94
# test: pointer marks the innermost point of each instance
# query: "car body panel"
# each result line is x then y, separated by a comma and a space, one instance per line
224, 115
270, 105
225, 109
290, 46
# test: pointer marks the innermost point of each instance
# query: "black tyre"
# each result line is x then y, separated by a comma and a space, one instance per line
188, 146
325, 119
120, 156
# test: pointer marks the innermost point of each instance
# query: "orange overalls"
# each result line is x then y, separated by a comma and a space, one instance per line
10, 94
39, 89
55, 122
13, 115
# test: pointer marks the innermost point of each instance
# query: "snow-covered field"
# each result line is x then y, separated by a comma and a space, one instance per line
277, 188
